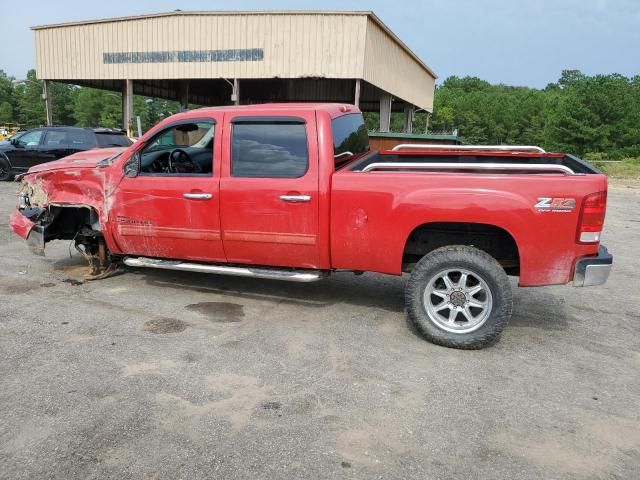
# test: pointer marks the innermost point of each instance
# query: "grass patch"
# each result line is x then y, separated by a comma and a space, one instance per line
629, 168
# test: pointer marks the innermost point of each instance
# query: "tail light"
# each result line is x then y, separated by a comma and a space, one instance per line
592, 217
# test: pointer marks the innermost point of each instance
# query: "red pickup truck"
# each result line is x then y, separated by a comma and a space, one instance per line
292, 192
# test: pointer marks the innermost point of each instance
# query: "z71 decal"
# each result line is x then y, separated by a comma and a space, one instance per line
550, 204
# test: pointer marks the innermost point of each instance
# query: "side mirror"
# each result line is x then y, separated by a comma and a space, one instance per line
132, 167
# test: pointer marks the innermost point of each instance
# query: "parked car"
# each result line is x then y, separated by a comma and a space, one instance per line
292, 192
41, 145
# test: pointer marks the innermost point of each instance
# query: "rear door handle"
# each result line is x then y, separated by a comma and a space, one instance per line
197, 196
295, 198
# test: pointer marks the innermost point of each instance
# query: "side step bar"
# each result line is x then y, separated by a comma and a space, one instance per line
304, 276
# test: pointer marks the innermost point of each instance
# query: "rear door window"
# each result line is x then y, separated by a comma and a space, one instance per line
79, 139
112, 140
269, 149
55, 138
350, 137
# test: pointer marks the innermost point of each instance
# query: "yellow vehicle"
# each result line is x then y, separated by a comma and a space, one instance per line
8, 130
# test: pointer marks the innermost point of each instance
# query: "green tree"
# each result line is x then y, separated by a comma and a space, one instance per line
6, 112
7, 99
29, 102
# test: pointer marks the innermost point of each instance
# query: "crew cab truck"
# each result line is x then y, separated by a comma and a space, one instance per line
292, 192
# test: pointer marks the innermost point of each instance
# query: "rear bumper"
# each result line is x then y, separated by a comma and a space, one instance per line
591, 271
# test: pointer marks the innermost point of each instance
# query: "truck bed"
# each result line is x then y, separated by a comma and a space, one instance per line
426, 189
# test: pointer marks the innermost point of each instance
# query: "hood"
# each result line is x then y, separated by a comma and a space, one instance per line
86, 159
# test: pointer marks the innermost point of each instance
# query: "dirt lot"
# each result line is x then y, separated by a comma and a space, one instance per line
156, 374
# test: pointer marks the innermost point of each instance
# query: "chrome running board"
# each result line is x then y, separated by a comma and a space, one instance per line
255, 272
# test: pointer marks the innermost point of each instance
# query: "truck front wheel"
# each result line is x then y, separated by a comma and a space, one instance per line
459, 297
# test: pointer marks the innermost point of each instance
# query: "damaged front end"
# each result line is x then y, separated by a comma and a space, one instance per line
29, 221
38, 221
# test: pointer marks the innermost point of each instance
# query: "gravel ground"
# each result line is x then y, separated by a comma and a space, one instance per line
156, 374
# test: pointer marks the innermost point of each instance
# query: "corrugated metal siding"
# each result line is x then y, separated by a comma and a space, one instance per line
389, 67
294, 46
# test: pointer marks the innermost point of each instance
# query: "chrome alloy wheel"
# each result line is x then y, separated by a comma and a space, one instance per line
458, 300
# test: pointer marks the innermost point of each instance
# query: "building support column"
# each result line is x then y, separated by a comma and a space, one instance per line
409, 111
356, 96
46, 95
427, 123
183, 95
127, 107
385, 112
235, 94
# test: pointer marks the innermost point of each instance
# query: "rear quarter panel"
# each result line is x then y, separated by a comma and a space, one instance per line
374, 213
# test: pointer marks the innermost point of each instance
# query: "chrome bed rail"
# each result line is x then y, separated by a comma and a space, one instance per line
464, 148
502, 167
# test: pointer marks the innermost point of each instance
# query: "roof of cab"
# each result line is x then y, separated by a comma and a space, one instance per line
334, 109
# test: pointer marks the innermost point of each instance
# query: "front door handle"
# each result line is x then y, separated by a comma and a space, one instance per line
295, 198
197, 196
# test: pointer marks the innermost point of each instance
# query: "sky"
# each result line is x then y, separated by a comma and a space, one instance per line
516, 42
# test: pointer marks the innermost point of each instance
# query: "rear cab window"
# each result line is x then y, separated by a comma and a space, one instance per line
269, 147
350, 138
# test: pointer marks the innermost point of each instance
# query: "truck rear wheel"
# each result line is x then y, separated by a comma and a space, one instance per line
459, 297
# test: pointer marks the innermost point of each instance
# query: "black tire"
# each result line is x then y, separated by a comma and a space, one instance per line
5, 170
481, 267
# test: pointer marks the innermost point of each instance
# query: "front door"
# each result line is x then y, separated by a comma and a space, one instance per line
171, 208
26, 152
269, 191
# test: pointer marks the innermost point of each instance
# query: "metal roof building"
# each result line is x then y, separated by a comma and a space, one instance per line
221, 58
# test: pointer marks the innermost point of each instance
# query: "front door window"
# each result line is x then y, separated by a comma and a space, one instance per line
30, 139
182, 149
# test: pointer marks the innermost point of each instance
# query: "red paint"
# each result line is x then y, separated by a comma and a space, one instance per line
20, 224
355, 221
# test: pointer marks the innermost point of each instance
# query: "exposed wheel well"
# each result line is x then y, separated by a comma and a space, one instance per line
81, 224
67, 221
496, 241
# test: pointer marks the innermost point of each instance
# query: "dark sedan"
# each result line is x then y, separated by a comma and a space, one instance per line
46, 144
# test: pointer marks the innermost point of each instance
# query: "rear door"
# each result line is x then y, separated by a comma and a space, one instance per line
269, 190
55, 146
